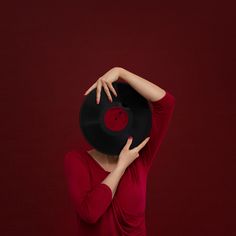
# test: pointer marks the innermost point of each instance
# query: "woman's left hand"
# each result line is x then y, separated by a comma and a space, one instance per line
105, 81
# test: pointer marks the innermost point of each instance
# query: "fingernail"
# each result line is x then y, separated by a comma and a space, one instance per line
130, 137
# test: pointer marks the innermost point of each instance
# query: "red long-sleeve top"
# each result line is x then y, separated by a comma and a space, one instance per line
97, 212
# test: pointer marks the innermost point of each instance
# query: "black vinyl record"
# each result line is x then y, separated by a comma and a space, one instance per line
107, 125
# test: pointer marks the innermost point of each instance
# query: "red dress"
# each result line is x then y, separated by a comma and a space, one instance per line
97, 212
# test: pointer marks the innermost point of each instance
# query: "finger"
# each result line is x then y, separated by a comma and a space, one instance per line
142, 144
90, 89
106, 89
98, 93
128, 143
109, 84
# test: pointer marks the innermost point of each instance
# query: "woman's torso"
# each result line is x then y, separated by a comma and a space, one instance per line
126, 212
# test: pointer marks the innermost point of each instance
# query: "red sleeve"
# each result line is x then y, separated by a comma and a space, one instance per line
162, 111
90, 203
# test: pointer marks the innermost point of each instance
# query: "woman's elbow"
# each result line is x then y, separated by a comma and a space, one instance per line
172, 100
88, 218
87, 214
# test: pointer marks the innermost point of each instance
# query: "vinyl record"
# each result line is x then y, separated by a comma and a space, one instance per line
107, 125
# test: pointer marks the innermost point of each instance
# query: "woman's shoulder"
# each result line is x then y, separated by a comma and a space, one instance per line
75, 155
75, 164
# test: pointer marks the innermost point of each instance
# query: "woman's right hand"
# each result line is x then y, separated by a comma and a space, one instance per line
127, 156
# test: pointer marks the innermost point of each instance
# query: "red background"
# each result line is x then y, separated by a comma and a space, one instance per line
52, 53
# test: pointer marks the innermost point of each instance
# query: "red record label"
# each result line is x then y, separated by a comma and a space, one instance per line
116, 118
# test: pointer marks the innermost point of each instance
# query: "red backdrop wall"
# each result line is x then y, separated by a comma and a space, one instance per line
52, 53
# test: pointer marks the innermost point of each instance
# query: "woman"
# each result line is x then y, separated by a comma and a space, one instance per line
109, 193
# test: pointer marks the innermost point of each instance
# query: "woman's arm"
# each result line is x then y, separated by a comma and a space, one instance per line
147, 89
113, 179
162, 103
126, 157
90, 203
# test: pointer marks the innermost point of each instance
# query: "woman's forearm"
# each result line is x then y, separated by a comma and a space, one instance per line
147, 89
151, 92
113, 179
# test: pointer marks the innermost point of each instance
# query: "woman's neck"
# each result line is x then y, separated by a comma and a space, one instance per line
105, 157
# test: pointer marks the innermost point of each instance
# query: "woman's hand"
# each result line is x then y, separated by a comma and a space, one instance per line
127, 156
105, 81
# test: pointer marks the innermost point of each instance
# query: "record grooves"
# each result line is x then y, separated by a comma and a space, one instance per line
107, 125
